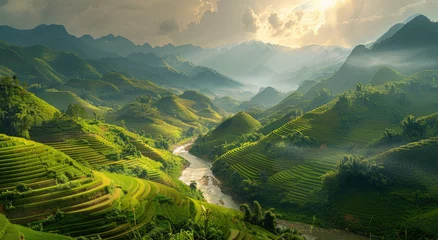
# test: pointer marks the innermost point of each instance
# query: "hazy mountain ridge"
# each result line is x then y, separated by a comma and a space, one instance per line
411, 49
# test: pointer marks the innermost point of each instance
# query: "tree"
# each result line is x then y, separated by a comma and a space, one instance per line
412, 127
21, 187
270, 222
258, 213
193, 185
76, 111
247, 212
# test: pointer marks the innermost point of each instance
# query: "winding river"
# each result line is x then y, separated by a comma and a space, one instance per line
200, 171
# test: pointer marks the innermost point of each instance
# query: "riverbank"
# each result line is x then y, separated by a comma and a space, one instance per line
199, 170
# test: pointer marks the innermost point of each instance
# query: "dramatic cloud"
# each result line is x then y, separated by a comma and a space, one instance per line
250, 21
275, 21
221, 22
168, 26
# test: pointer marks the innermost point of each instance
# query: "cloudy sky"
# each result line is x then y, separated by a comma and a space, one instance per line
212, 23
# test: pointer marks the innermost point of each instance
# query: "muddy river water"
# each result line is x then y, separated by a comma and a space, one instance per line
200, 171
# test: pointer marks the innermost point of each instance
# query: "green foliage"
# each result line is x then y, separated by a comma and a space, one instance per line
355, 169
76, 111
20, 110
257, 216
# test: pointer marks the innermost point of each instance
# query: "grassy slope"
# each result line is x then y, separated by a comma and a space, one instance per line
228, 131
38, 64
93, 197
268, 97
9, 231
169, 116
61, 100
90, 144
15, 101
385, 75
227, 103
301, 176
413, 168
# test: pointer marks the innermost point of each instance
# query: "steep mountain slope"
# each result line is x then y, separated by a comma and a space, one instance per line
226, 132
411, 49
393, 30
268, 97
51, 36
385, 75
38, 64
21, 110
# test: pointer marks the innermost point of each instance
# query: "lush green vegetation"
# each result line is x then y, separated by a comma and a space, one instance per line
231, 133
173, 117
21, 110
288, 164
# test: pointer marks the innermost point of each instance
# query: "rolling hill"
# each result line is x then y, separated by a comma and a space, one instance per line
227, 103
267, 97
173, 117
385, 75
227, 132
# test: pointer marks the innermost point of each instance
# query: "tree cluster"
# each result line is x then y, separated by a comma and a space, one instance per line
355, 170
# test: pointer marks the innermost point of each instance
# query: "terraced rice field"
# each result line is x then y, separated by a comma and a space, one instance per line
370, 209
90, 149
305, 177
299, 177
92, 195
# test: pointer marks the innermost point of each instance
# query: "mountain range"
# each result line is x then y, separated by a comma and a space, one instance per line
407, 48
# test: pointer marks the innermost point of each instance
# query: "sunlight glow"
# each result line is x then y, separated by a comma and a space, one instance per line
325, 4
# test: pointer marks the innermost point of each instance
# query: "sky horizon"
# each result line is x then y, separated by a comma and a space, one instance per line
215, 23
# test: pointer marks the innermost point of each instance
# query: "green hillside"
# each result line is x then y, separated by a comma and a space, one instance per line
290, 160
201, 101
21, 110
55, 192
227, 103
6, 72
268, 97
385, 75
61, 100
409, 171
38, 64
10, 231
171, 116
226, 133
285, 106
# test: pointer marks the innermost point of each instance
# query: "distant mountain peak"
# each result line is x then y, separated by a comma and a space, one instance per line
53, 28
413, 17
